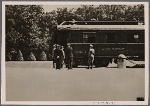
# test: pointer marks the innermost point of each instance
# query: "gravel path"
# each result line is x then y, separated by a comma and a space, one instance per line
38, 81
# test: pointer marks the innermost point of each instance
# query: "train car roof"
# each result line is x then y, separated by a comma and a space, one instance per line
100, 27
100, 23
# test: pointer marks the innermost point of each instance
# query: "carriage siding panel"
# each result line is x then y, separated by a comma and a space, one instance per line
126, 36
125, 43
101, 27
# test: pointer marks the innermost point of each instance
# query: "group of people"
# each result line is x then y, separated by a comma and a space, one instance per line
60, 56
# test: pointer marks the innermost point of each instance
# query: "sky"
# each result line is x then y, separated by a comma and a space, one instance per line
49, 8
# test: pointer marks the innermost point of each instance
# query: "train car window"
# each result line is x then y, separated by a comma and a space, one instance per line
135, 37
62, 38
111, 38
89, 37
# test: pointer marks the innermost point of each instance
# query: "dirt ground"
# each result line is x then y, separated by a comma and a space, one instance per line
38, 81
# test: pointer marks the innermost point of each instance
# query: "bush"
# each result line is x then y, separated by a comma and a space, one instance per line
31, 57
43, 56
19, 56
8, 57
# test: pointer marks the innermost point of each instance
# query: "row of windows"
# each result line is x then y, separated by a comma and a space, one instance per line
91, 37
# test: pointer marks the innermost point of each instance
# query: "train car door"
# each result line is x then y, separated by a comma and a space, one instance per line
111, 37
62, 38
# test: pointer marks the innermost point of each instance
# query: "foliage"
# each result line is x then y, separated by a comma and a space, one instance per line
43, 56
31, 57
8, 57
19, 56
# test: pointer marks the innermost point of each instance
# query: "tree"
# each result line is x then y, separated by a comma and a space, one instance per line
43, 56
31, 57
19, 56
8, 57
23, 28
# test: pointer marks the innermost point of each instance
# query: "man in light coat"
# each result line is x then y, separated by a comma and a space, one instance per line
91, 54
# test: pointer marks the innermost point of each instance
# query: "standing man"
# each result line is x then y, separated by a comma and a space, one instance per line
58, 55
63, 56
69, 56
54, 61
91, 54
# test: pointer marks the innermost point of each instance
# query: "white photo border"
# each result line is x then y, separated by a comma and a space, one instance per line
3, 74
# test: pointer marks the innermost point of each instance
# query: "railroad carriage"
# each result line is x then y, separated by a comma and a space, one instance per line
109, 39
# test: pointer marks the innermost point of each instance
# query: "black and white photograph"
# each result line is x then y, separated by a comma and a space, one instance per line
75, 53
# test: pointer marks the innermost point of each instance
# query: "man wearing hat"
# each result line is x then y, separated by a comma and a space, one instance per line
69, 56
91, 57
58, 55
63, 56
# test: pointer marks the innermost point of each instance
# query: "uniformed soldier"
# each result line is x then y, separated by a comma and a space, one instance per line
58, 55
91, 54
63, 56
69, 56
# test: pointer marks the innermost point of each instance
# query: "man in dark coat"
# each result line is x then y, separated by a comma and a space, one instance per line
54, 61
58, 55
69, 56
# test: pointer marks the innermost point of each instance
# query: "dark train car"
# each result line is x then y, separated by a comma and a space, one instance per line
108, 38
